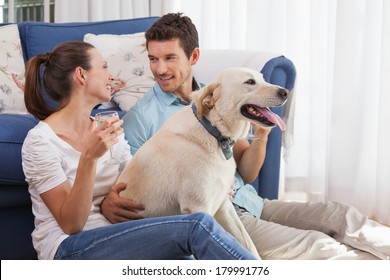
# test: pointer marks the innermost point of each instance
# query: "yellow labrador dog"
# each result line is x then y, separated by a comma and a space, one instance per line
187, 166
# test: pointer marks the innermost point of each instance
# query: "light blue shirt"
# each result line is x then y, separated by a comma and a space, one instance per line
149, 114
245, 196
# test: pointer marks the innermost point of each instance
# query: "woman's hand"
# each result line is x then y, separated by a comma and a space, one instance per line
104, 136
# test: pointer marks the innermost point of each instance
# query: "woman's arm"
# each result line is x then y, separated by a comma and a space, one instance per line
71, 205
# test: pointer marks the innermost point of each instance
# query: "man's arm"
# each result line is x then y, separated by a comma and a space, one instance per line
117, 209
113, 207
250, 157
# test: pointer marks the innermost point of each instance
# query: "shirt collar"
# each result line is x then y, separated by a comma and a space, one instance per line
169, 98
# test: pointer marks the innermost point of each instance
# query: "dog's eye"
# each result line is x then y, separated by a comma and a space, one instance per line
250, 82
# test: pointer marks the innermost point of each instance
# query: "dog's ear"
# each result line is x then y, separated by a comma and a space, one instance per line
206, 97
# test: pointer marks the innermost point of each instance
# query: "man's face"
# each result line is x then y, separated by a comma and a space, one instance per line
170, 66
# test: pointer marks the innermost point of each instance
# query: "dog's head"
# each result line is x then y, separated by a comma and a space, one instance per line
238, 96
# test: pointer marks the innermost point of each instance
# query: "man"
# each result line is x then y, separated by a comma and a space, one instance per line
173, 48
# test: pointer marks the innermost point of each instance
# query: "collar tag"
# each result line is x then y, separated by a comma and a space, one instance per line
226, 149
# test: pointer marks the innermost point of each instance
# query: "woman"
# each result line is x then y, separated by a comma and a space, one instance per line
63, 160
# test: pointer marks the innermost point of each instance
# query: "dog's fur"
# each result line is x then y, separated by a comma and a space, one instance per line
182, 169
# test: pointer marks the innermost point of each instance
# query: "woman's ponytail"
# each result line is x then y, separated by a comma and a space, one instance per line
33, 93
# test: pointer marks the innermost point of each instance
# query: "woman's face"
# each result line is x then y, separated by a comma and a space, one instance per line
98, 79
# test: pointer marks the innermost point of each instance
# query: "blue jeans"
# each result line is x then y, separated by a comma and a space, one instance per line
163, 238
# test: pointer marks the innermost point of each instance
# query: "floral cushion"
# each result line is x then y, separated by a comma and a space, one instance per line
128, 62
11, 71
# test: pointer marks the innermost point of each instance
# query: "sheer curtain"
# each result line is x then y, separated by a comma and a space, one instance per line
341, 50
95, 10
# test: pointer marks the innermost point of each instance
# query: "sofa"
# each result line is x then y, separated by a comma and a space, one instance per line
16, 218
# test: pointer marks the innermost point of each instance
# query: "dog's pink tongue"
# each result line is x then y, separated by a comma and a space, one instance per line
274, 118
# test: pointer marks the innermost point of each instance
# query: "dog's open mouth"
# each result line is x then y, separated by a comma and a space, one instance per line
263, 115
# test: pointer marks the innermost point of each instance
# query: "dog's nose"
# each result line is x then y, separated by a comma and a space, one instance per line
283, 93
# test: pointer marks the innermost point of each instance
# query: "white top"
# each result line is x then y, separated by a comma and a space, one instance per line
49, 161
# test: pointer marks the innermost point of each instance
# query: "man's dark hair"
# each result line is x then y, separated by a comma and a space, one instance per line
172, 26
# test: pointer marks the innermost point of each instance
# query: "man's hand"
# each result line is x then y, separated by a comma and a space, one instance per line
231, 192
261, 132
117, 209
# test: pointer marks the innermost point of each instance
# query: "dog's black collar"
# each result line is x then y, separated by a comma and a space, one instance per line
226, 144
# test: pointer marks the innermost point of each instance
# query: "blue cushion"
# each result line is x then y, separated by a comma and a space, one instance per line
41, 37
13, 130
